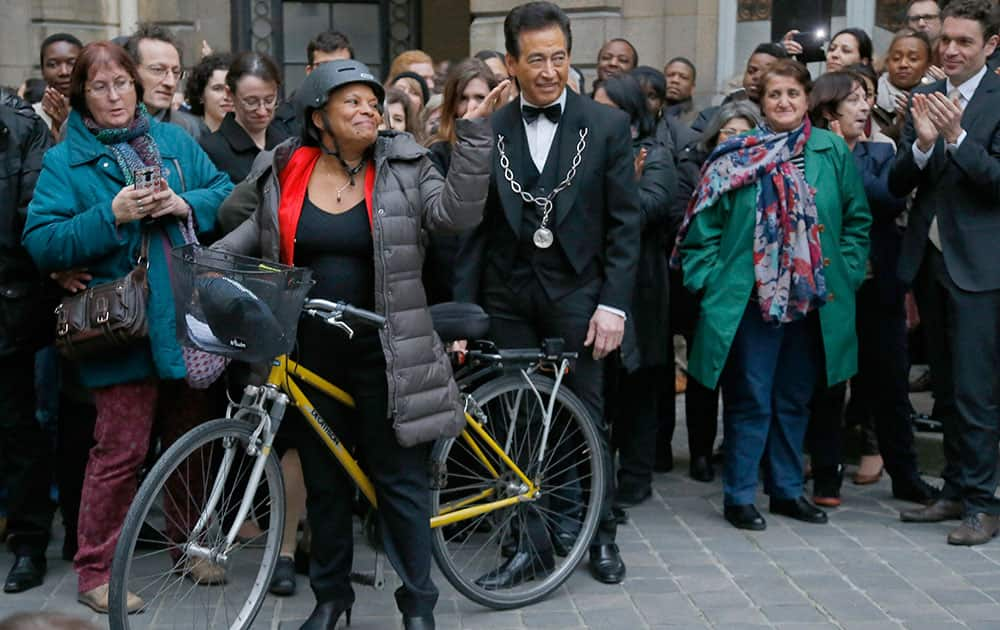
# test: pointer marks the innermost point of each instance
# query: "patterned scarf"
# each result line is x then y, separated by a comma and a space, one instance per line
132, 146
788, 260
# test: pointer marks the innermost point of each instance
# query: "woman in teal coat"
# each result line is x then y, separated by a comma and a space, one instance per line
775, 240
88, 216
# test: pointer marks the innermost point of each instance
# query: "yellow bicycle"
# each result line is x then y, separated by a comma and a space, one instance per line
526, 474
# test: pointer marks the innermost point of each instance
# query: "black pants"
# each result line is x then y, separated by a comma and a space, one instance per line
523, 319
76, 437
25, 458
972, 328
882, 384
701, 405
400, 477
633, 409
932, 302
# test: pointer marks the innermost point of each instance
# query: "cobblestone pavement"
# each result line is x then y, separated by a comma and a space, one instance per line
688, 568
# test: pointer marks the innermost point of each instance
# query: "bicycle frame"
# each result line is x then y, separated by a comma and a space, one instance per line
283, 376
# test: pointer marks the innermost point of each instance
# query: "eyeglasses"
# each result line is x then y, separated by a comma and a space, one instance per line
917, 19
253, 103
160, 72
120, 86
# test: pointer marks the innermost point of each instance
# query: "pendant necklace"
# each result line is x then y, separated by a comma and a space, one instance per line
351, 172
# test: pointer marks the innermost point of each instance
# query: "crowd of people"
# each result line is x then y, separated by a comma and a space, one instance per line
781, 246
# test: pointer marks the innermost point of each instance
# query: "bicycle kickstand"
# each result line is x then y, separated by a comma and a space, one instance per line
377, 579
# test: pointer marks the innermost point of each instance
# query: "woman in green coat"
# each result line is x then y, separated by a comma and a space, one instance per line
775, 240
88, 215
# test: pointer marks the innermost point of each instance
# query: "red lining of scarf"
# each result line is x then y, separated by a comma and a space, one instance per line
294, 181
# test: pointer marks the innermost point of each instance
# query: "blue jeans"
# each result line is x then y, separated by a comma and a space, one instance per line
767, 384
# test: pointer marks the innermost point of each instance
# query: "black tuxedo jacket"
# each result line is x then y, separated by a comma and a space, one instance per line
961, 188
596, 219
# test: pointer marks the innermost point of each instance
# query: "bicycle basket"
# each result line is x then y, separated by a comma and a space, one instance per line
235, 306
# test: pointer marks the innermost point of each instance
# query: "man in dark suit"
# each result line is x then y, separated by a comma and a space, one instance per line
563, 267
951, 154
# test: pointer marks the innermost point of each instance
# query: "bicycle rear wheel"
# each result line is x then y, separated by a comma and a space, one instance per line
153, 559
555, 529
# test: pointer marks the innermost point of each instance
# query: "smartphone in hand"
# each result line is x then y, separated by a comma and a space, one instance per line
147, 178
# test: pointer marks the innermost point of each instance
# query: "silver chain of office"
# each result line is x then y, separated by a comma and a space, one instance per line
542, 237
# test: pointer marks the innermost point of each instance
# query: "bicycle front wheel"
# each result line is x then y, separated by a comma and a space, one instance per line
172, 551
553, 530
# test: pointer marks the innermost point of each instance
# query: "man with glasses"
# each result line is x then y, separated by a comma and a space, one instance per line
924, 16
157, 57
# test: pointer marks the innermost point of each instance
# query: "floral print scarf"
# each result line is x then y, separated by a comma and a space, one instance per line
787, 257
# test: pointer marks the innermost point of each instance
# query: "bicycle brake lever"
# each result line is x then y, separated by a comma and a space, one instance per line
333, 321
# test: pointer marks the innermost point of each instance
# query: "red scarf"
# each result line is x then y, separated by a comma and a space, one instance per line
294, 182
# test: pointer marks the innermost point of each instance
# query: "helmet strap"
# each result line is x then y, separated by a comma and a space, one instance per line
335, 153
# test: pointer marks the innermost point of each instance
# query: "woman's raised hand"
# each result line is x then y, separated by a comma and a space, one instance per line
490, 103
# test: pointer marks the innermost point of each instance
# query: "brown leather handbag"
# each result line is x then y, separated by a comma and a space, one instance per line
108, 317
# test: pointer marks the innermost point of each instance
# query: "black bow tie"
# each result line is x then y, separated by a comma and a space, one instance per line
531, 114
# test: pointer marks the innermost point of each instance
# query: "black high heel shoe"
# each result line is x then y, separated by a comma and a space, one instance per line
326, 615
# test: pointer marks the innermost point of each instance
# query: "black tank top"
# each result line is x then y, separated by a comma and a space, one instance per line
340, 251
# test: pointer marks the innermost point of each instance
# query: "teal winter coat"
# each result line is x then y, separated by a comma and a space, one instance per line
718, 261
70, 225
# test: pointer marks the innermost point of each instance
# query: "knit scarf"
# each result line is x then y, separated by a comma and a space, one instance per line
788, 260
133, 147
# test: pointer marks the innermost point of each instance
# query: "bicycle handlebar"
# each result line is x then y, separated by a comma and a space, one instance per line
335, 310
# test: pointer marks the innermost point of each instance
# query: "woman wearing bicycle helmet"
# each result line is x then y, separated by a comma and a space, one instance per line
351, 203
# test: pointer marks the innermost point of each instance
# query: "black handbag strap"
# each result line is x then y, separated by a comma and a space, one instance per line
144, 250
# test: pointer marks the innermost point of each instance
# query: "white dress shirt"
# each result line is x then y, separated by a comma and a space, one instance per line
542, 131
540, 135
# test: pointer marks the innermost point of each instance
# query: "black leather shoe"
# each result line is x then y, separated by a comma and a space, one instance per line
423, 622
630, 495
606, 564
27, 572
562, 542
520, 568
326, 615
745, 517
916, 491
800, 509
283, 580
923, 422
701, 469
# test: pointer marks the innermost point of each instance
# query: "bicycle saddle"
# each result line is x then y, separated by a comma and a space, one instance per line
458, 320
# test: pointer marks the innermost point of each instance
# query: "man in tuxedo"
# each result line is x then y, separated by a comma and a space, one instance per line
564, 269
951, 154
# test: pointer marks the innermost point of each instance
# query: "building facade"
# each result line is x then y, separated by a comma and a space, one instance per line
717, 35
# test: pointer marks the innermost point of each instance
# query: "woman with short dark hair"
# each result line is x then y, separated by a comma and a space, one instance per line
775, 239
633, 385
252, 82
88, 213
879, 391
206, 92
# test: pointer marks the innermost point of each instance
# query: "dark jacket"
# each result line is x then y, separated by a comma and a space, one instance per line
647, 327
193, 125
683, 112
410, 197
595, 220
233, 151
25, 298
874, 159
961, 188
70, 224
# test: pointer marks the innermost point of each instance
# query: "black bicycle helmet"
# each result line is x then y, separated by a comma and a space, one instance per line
315, 91
237, 321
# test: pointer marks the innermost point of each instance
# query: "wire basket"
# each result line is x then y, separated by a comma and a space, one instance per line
235, 306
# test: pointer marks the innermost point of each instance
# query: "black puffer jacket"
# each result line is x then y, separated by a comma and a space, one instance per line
26, 301
410, 198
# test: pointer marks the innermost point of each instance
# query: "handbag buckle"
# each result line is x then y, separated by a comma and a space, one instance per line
103, 312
